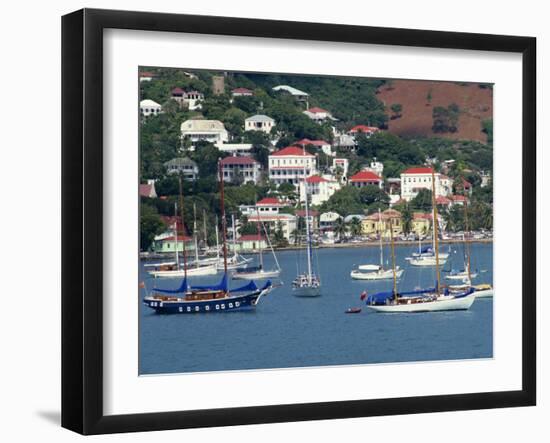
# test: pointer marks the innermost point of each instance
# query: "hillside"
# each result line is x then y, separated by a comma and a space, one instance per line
418, 98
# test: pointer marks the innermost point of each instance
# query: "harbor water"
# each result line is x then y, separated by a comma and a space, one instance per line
285, 331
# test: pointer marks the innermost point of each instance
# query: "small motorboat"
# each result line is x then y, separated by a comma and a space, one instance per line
353, 310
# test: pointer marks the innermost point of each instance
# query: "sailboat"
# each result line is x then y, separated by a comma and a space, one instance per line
307, 284
423, 300
236, 261
426, 256
187, 299
164, 271
464, 274
376, 272
258, 272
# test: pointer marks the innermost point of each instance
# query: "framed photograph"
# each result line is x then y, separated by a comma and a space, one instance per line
270, 221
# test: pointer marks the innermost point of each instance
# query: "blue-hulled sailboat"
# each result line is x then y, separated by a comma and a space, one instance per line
191, 299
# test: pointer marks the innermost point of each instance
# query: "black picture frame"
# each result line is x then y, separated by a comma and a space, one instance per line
82, 218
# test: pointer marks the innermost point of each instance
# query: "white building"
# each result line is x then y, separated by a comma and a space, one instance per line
266, 206
192, 99
287, 222
327, 220
241, 168
290, 164
242, 92
146, 76
320, 189
485, 179
149, 107
363, 129
183, 165
212, 131
259, 123
234, 149
365, 178
415, 179
376, 167
296, 93
318, 115
342, 165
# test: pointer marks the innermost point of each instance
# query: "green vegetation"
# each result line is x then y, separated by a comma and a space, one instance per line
445, 119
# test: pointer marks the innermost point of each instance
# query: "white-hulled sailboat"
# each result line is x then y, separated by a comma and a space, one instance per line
308, 284
376, 272
236, 261
423, 300
258, 272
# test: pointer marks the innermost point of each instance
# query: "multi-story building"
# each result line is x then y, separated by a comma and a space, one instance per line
242, 92
149, 107
340, 167
259, 123
212, 131
272, 222
323, 145
319, 189
290, 165
192, 99
240, 170
365, 178
241, 149
415, 179
184, 166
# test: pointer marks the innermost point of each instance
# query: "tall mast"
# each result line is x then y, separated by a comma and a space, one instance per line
224, 221
393, 261
259, 238
467, 241
204, 227
436, 245
234, 230
217, 240
176, 234
183, 230
380, 235
195, 234
308, 239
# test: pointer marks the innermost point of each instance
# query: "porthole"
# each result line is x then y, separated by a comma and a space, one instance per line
197, 308
218, 307
207, 308
230, 305
188, 308
237, 304
223, 306
181, 309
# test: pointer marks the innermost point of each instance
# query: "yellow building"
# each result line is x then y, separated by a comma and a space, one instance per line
421, 224
375, 224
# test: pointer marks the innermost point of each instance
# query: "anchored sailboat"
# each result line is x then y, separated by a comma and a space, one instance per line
308, 284
211, 298
376, 272
424, 300
258, 272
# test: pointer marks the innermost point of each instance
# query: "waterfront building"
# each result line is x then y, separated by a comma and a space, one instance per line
374, 224
184, 166
289, 165
249, 243
240, 170
327, 220
149, 107
259, 123
212, 131
287, 222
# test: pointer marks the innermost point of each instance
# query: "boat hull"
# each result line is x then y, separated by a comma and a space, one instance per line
426, 261
306, 291
383, 275
255, 275
484, 293
233, 303
443, 304
191, 272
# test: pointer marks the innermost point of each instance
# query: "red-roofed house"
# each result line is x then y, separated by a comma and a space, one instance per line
241, 170
250, 242
267, 205
363, 129
319, 189
318, 114
417, 178
290, 165
365, 178
191, 98
242, 92
148, 190
459, 199
463, 186
146, 76
321, 144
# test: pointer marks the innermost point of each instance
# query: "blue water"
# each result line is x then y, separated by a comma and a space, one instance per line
287, 331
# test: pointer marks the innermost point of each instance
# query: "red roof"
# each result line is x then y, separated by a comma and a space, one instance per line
316, 179
307, 141
145, 190
180, 238
242, 91
365, 176
422, 215
146, 74
250, 237
441, 200
178, 91
238, 161
269, 201
316, 110
458, 198
420, 170
364, 128
292, 150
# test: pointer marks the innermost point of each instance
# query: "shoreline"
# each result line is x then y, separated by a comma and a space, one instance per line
370, 244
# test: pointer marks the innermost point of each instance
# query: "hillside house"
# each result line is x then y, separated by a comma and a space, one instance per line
259, 123
365, 178
184, 166
149, 107
290, 165
240, 170
212, 131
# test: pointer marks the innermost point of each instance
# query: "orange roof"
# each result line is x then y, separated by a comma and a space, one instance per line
292, 150
307, 141
270, 201
316, 179
316, 110
419, 170
364, 128
365, 176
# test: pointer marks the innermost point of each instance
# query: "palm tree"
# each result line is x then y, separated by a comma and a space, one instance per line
340, 228
407, 216
355, 227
